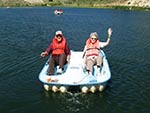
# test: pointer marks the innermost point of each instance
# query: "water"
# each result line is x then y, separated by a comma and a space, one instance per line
26, 32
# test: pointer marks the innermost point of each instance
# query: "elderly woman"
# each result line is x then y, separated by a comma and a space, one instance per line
91, 51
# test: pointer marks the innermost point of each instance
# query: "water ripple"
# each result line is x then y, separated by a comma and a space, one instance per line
26, 32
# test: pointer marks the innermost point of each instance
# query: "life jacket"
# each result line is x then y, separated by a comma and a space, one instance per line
92, 49
58, 47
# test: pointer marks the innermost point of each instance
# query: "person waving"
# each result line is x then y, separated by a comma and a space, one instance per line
91, 51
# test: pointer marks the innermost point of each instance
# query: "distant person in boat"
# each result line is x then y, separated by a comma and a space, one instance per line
92, 49
61, 11
60, 53
58, 12
55, 11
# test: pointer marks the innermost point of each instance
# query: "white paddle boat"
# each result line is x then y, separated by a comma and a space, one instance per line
58, 12
75, 74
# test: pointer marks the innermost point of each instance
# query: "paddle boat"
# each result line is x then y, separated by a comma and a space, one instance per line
75, 75
58, 12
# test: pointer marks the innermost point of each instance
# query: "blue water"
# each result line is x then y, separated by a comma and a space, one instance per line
26, 32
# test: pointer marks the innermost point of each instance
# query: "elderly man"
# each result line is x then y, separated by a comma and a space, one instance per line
60, 53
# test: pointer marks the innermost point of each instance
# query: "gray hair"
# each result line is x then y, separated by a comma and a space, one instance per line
94, 34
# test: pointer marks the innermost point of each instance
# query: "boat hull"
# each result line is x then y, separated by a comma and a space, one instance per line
57, 12
75, 75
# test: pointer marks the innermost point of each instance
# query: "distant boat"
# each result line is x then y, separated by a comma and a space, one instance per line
58, 12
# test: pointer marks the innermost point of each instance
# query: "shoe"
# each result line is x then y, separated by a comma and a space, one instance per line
99, 74
59, 71
89, 73
50, 74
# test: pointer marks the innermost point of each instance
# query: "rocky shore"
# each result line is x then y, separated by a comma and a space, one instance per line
120, 4
137, 3
34, 1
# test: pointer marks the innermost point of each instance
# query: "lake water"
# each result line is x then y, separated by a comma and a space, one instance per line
26, 32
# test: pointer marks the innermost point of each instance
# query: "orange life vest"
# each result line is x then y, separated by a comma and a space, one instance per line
58, 47
92, 49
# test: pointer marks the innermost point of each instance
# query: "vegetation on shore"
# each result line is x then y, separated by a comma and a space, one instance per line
114, 4
17, 3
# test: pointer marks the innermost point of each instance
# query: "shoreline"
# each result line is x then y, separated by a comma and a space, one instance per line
108, 6
103, 6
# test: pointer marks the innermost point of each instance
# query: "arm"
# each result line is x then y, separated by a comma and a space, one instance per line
103, 44
47, 51
84, 51
67, 52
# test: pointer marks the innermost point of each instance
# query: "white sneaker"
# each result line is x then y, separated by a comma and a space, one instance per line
59, 71
99, 74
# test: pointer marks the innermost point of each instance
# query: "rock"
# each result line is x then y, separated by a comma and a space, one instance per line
139, 3
34, 1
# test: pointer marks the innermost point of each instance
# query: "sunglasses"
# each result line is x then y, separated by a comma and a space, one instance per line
58, 36
94, 38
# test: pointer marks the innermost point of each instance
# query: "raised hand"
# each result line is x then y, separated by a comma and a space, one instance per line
109, 32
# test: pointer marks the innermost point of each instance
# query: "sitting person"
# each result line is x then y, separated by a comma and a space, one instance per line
60, 53
91, 51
